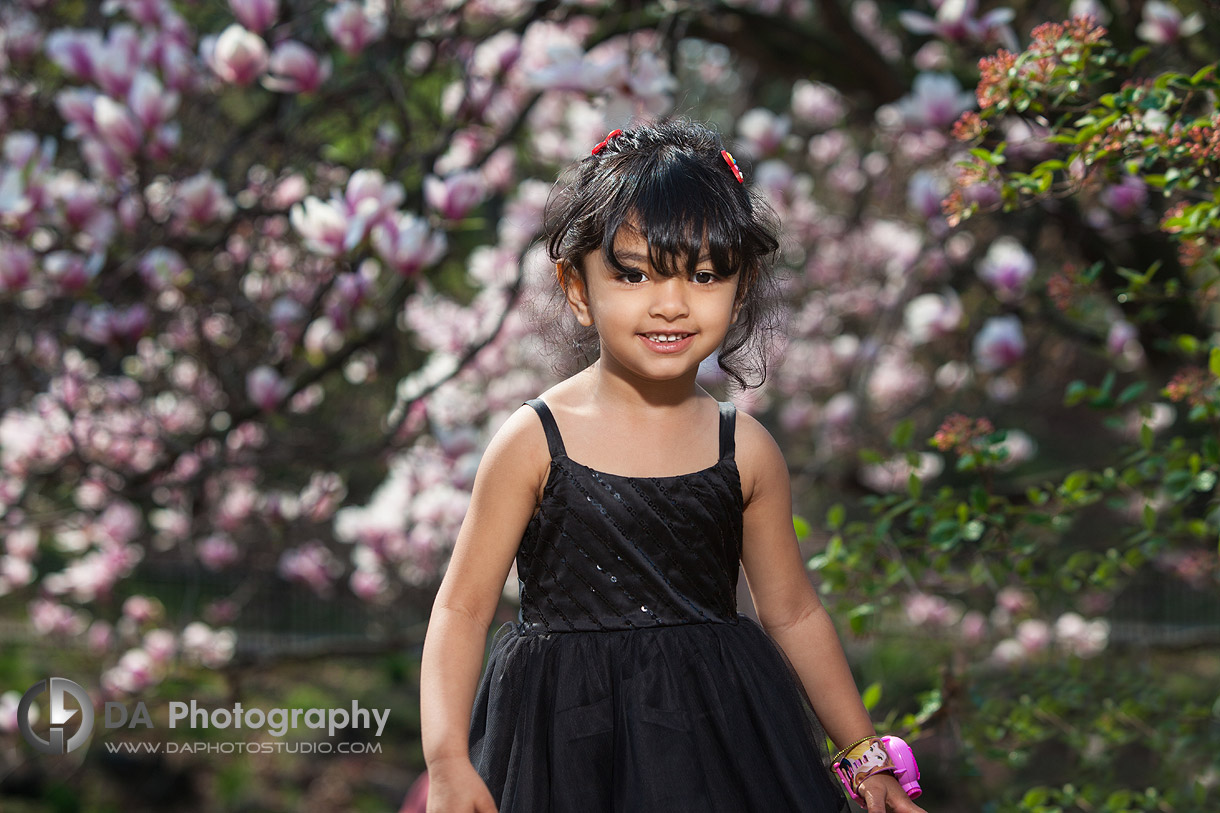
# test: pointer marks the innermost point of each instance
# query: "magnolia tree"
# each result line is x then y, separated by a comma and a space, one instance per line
268, 274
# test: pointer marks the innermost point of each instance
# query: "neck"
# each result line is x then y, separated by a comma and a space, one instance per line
614, 385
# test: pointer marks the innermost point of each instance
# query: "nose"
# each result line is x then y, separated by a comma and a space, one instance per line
669, 298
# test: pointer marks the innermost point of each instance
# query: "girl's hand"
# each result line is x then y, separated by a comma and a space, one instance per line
882, 793
455, 787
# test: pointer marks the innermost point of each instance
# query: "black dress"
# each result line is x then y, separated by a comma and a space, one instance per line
630, 683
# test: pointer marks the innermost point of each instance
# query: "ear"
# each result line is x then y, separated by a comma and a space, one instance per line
576, 293
739, 299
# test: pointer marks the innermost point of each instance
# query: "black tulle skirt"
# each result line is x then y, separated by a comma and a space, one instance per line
690, 717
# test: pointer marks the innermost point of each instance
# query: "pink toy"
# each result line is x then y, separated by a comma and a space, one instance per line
906, 770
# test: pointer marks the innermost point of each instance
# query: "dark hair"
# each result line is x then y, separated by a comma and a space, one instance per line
670, 182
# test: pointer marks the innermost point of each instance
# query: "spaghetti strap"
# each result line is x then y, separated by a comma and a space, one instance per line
728, 418
553, 440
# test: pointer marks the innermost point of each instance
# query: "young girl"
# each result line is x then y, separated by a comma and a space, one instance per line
628, 496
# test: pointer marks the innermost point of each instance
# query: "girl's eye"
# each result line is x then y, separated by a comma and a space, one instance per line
705, 277
625, 274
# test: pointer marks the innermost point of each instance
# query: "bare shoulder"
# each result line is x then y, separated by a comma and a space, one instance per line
760, 461
519, 449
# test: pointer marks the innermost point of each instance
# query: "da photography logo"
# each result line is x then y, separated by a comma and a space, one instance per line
60, 714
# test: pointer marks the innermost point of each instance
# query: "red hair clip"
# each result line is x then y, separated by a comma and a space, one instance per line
732, 162
605, 141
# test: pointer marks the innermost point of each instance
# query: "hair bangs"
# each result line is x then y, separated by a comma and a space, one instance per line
677, 204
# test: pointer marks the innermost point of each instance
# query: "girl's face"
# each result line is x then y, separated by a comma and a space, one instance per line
655, 327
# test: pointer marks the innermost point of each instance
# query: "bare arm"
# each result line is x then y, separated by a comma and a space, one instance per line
789, 608
503, 499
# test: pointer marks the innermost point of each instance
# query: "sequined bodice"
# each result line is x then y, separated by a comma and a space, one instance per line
608, 551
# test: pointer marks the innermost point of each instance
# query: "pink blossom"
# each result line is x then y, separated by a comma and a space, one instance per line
142, 609
312, 565
237, 56
925, 192
286, 313
52, 618
1014, 600
1089, 8
406, 243
216, 551
10, 703
146, 12
555, 60
1162, 23
322, 224
116, 126
369, 585
20, 37
1080, 637
1034, 635
237, 505
354, 26
1127, 198
1007, 268
116, 62
212, 648
255, 15
651, 82
135, 672
925, 608
1000, 343
935, 102
955, 21
1008, 652
817, 104
150, 102
201, 199
175, 61
762, 132
295, 68
496, 54
16, 265
1121, 332
454, 196
100, 637
75, 105
160, 645
368, 199
74, 51
324, 494
266, 388
161, 268
15, 572
973, 626
70, 271
930, 316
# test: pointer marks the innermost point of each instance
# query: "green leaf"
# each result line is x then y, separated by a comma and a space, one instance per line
900, 438
1076, 481
801, 526
871, 696
835, 516
1213, 361
1131, 392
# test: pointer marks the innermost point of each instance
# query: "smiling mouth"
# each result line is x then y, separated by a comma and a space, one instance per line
666, 337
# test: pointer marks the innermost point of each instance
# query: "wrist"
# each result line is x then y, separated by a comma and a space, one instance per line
446, 759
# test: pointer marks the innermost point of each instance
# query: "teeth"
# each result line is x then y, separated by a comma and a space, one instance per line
665, 337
